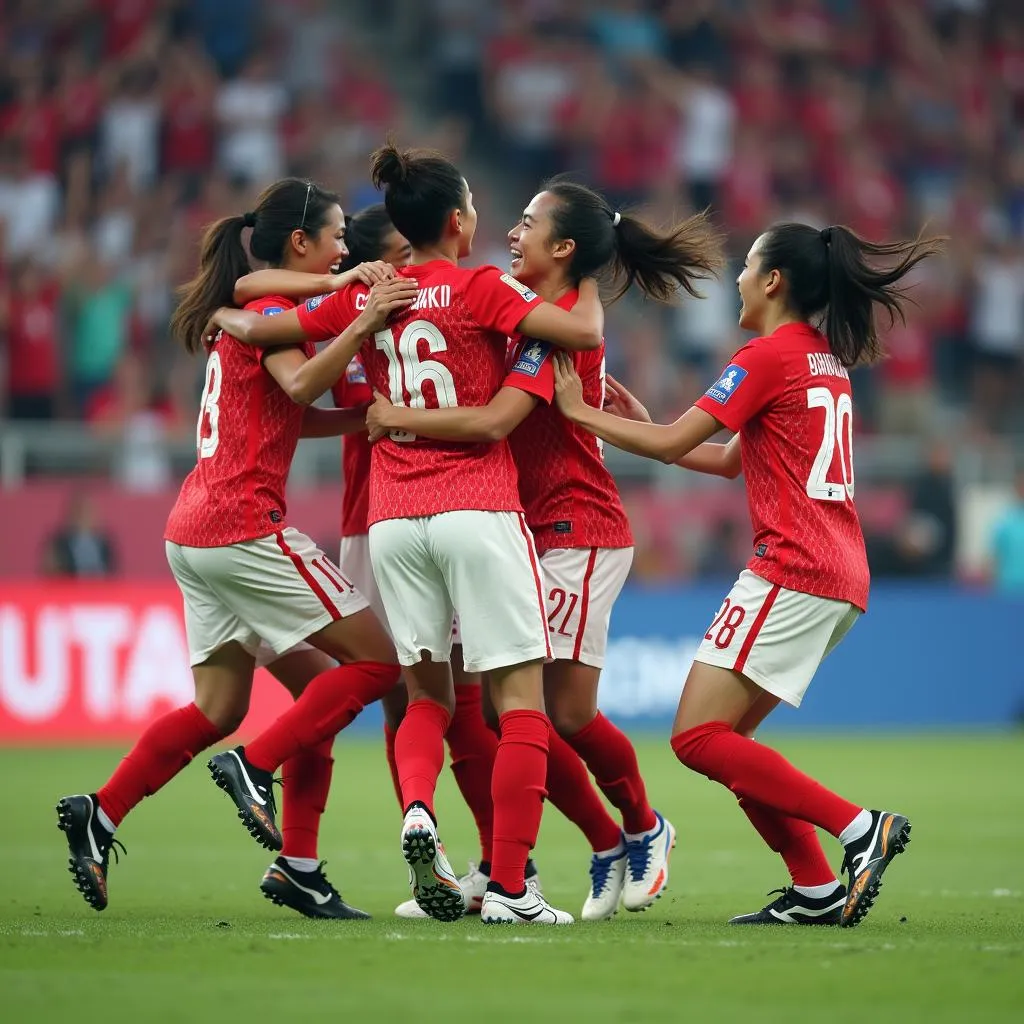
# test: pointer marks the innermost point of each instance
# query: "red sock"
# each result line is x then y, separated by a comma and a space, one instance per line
158, 755
795, 840
607, 752
571, 791
307, 781
419, 751
473, 748
756, 772
389, 753
517, 787
329, 702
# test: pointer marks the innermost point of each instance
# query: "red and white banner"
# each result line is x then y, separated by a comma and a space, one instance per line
97, 662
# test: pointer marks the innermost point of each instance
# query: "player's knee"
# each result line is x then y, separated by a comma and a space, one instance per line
569, 720
226, 715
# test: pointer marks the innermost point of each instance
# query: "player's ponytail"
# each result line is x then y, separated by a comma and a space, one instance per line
832, 278
421, 188
628, 250
222, 261
287, 206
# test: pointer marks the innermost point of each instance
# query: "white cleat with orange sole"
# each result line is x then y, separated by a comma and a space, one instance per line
435, 888
647, 865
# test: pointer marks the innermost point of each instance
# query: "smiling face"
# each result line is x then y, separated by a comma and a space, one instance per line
535, 254
757, 289
322, 252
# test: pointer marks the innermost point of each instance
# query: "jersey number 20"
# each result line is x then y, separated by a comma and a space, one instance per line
838, 431
407, 372
209, 410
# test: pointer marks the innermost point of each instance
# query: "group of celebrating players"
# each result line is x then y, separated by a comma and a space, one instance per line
484, 541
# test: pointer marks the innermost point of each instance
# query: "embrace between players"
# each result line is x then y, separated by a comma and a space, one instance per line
484, 542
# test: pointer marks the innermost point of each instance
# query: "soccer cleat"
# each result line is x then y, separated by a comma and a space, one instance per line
89, 844
308, 892
866, 860
473, 885
647, 866
435, 888
530, 908
607, 878
793, 907
250, 789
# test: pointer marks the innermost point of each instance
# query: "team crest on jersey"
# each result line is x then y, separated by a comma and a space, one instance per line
272, 310
312, 303
518, 286
725, 387
356, 372
532, 358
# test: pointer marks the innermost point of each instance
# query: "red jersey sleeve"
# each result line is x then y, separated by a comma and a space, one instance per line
753, 380
354, 388
326, 316
498, 301
533, 370
268, 305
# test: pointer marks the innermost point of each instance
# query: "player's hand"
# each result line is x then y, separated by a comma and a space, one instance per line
212, 328
369, 273
568, 387
378, 415
387, 296
620, 401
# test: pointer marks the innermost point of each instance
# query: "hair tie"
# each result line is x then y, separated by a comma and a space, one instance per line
616, 218
826, 236
249, 219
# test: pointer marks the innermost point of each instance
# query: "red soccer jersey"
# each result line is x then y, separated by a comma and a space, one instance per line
447, 350
356, 451
34, 348
569, 497
245, 439
790, 400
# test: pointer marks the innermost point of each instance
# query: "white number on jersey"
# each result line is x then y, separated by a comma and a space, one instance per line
208, 408
838, 430
407, 372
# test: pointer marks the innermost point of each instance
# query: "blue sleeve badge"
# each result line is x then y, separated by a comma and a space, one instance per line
725, 387
356, 373
531, 358
272, 310
312, 303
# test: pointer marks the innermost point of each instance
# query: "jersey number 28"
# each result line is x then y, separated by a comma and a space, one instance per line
838, 432
407, 372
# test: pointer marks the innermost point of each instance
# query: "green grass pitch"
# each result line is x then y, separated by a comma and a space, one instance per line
188, 938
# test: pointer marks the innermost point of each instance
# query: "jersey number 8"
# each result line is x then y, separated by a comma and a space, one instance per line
209, 411
838, 431
407, 372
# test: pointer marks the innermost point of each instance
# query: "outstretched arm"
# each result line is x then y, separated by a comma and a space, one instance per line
294, 284
578, 329
666, 442
715, 459
490, 422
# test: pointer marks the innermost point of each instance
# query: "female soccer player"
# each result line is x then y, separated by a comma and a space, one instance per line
787, 394
447, 534
572, 506
370, 237
244, 573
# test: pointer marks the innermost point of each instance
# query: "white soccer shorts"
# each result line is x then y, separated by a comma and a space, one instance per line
482, 566
280, 588
774, 636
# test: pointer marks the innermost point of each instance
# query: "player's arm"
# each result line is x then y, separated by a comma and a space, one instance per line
332, 422
252, 328
715, 459
294, 284
578, 329
491, 422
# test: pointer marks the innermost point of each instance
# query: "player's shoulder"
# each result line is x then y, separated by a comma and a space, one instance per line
270, 305
496, 279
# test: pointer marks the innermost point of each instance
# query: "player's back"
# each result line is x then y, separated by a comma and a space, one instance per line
245, 439
797, 449
447, 350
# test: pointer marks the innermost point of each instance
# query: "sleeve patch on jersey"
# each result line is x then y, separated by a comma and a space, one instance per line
312, 303
356, 374
272, 310
518, 286
531, 359
725, 387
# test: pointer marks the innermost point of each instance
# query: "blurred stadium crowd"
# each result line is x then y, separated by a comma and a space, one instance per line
126, 125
